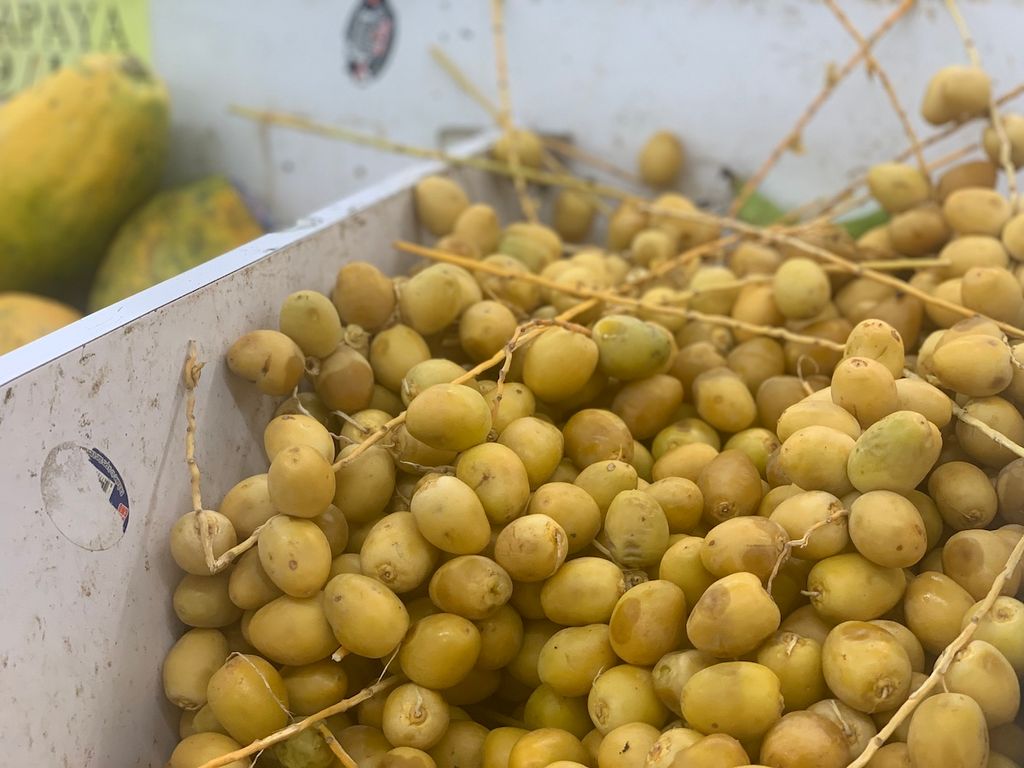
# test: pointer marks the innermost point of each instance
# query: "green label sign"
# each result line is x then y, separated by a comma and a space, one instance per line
39, 36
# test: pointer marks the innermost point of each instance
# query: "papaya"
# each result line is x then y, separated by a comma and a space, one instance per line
25, 317
79, 151
176, 230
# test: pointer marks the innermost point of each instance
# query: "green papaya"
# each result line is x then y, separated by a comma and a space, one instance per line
79, 151
175, 231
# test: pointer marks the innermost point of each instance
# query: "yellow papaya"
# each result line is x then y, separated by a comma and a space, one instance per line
175, 231
25, 317
79, 151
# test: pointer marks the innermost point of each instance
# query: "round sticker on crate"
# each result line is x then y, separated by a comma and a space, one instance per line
84, 496
369, 37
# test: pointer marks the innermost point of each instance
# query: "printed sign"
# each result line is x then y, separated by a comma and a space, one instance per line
40, 36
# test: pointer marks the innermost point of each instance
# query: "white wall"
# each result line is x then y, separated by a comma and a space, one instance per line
729, 75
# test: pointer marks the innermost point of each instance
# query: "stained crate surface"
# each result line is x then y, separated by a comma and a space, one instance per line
87, 589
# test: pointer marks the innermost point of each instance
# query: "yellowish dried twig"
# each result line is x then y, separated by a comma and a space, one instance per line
898, 264
945, 659
1005, 149
505, 109
598, 163
498, 357
612, 298
787, 550
985, 429
928, 141
306, 125
805, 385
978, 424
340, 133
516, 342
191, 373
218, 564
883, 78
609, 555
843, 202
381, 432
465, 84
686, 258
506, 365
555, 165
851, 267
817, 102
336, 749
298, 727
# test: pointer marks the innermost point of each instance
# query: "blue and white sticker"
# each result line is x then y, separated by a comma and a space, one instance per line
85, 496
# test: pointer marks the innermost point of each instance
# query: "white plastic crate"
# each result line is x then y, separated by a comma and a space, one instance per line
85, 588
86, 598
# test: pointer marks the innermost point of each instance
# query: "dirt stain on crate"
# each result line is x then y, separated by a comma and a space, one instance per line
101, 379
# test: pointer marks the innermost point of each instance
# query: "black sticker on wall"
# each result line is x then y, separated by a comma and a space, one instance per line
369, 38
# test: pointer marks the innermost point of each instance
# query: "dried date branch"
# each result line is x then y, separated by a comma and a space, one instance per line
1005, 148
843, 202
945, 659
516, 342
555, 165
883, 78
466, 85
787, 550
336, 749
191, 373
935, 138
769, 234
300, 123
817, 102
610, 297
574, 152
495, 359
961, 414
298, 727
851, 267
498, 357
505, 111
